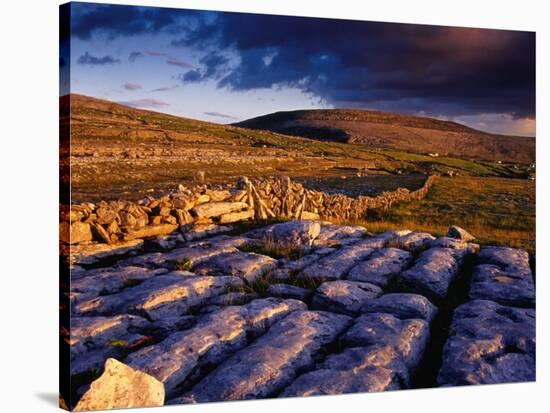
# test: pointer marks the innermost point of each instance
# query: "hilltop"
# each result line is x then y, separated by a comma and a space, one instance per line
119, 152
397, 131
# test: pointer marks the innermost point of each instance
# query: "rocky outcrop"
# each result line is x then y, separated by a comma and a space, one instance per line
504, 276
335, 265
489, 343
403, 306
247, 266
121, 387
212, 340
382, 267
432, 273
344, 297
407, 337
295, 233
355, 370
214, 319
272, 362
171, 292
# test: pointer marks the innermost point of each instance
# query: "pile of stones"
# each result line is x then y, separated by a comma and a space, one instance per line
203, 205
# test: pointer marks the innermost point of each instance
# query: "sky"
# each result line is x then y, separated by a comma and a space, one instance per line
226, 67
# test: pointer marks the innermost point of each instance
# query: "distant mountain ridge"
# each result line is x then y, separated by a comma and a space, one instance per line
396, 131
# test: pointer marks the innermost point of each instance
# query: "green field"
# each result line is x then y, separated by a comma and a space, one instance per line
498, 211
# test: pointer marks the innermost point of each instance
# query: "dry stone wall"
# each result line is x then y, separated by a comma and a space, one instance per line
261, 199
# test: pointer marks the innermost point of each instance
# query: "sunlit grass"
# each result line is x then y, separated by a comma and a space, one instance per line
497, 211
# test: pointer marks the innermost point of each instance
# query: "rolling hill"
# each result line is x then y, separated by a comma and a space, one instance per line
118, 151
398, 132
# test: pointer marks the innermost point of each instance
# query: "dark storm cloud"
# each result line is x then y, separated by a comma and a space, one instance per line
88, 59
213, 66
440, 70
89, 20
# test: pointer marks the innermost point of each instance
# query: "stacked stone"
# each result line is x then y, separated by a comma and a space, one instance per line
119, 221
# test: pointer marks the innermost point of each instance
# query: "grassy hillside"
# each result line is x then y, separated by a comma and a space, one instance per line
399, 132
498, 211
122, 152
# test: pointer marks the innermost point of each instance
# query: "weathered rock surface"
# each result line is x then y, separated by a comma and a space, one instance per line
236, 216
247, 266
407, 337
151, 231
296, 233
412, 241
381, 267
273, 361
344, 297
109, 282
403, 306
94, 339
334, 266
190, 313
199, 231
511, 260
212, 340
382, 240
94, 253
362, 369
504, 276
173, 290
455, 244
489, 282
489, 343
432, 273
337, 232
75, 232
215, 209
120, 387
289, 291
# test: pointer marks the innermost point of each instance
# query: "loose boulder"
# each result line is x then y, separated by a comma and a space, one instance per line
121, 387
75, 232
300, 233
459, 233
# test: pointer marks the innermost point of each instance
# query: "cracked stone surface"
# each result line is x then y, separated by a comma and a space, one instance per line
489, 343
247, 266
407, 337
345, 297
503, 276
228, 317
361, 369
403, 306
432, 273
215, 337
382, 267
272, 362
334, 266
